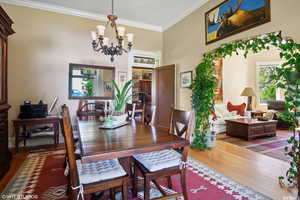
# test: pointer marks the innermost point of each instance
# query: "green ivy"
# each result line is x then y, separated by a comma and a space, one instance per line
286, 77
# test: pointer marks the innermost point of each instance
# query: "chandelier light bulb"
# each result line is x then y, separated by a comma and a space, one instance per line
130, 37
94, 35
101, 29
105, 41
121, 31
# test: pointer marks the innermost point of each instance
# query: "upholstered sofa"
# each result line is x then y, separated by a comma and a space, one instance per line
221, 114
279, 107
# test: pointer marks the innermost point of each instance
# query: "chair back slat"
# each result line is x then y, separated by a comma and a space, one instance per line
181, 123
150, 114
130, 110
69, 142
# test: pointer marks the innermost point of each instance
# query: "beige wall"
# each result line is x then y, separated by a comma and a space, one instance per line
235, 78
184, 43
44, 45
240, 72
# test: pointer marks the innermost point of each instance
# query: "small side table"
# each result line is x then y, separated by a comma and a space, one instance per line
18, 123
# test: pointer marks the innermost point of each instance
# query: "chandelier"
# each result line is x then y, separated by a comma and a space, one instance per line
104, 44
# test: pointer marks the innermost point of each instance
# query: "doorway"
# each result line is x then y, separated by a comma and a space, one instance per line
142, 79
155, 86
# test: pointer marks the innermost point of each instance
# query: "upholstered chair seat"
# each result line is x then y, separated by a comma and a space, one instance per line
158, 160
99, 171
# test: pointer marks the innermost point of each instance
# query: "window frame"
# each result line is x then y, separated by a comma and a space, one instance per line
259, 65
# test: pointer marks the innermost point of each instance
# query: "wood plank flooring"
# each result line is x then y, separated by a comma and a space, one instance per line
252, 169
255, 170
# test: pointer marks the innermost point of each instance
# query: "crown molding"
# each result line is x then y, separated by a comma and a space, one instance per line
184, 14
79, 13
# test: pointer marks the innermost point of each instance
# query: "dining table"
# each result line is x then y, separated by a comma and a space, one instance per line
98, 144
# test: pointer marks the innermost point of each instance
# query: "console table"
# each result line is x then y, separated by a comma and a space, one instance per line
23, 123
250, 128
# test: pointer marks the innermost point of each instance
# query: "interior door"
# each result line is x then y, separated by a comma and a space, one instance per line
164, 94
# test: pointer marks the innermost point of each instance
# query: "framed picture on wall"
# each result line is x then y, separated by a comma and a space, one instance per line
186, 79
122, 77
234, 16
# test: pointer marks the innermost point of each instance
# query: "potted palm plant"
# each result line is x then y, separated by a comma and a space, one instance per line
122, 97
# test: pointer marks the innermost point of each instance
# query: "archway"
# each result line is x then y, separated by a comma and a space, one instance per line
286, 77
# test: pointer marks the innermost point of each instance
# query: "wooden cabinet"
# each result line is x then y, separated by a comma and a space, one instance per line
5, 31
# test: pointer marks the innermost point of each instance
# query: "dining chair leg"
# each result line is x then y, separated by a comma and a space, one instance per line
125, 190
169, 180
112, 194
147, 181
135, 180
183, 184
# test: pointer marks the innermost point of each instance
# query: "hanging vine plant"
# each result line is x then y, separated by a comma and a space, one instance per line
287, 77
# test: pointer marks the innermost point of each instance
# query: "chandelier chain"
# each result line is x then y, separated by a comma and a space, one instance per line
112, 7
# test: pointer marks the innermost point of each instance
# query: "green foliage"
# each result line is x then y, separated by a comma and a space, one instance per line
89, 87
88, 82
268, 93
286, 77
121, 95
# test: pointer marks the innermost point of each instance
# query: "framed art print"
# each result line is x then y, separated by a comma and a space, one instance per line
234, 16
186, 79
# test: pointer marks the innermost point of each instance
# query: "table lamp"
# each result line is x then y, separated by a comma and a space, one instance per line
248, 92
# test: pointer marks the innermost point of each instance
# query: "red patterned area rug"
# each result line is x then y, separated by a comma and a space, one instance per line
270, 146
41, 176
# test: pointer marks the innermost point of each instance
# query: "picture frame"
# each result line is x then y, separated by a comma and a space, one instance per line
122, 77
186, 79
234, 16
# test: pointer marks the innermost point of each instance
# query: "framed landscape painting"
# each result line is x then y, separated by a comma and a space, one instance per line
233, 16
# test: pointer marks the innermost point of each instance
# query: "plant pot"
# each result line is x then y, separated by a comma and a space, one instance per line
211, 139
120, 118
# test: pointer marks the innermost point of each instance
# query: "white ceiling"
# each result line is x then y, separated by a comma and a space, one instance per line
150, 14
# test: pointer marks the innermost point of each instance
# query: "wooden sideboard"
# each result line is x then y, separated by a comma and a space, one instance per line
5, 31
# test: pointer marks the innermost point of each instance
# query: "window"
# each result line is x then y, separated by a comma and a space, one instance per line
266, 86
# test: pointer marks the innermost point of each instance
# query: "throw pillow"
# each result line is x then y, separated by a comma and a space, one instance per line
239, 108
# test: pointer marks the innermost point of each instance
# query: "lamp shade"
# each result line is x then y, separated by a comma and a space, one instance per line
248, 92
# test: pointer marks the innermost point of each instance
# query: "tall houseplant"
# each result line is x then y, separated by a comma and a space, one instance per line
122, 96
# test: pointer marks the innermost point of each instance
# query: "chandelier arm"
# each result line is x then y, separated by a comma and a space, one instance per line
97, 48
96, 45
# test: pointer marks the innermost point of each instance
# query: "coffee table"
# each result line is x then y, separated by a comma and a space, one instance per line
250, 128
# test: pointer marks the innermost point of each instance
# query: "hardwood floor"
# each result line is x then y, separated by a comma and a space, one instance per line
252, 169
17, 161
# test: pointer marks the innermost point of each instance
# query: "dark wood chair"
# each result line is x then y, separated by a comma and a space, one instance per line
150, 114
140, 110
165, 163
130, 110
90, 111
90, 178
135, 109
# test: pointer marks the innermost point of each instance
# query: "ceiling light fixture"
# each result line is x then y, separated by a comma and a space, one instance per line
106, 45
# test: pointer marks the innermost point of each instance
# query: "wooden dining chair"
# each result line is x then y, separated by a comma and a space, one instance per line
165, 163
140, 110
89, 111
150, 113
130, 110
89, 178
